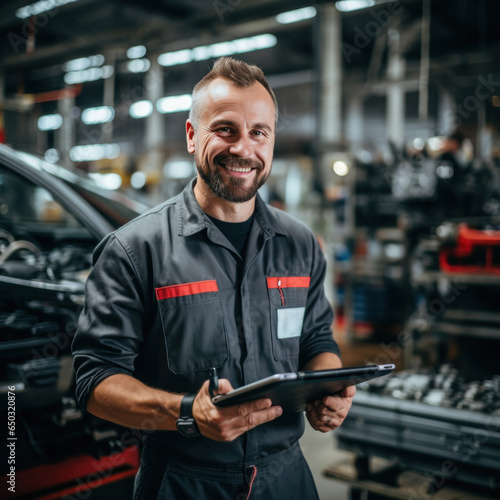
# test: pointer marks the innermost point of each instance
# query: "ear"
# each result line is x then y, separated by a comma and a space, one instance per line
190, 136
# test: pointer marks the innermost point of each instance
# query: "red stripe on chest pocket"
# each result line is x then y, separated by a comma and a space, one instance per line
171, 291
289, 282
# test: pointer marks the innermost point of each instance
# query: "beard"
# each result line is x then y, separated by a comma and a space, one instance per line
232, 189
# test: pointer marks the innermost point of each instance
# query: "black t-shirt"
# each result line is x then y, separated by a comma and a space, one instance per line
235, 232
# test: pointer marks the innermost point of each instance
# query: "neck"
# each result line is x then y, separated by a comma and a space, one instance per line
221, 209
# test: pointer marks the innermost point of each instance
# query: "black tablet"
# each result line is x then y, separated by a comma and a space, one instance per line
292, 391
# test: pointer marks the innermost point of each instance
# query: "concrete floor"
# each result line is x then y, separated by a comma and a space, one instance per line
320, 451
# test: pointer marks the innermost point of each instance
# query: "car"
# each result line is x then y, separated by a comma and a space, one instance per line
51, 219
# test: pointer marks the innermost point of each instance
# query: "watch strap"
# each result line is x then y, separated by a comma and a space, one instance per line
186, 424
187, 406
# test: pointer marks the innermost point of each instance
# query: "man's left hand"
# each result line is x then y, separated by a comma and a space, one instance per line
328, 413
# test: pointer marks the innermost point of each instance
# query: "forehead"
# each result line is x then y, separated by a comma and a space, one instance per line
222, 97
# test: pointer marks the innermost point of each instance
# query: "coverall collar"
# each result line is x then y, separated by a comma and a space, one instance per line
192, 219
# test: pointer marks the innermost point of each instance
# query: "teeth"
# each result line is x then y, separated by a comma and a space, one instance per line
237, 169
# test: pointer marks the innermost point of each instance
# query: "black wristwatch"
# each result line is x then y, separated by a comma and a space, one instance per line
186, 423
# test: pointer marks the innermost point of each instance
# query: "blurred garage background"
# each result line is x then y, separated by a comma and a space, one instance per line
388, 147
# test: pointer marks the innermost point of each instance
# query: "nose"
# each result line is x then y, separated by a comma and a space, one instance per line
241, 147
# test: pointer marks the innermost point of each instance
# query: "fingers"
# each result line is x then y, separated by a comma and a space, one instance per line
348, 392
329, 413
226, 424
223, 386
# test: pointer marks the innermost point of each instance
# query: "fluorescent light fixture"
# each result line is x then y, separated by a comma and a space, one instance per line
204, 52
141, 109
111, 180
88, 75
84, 63
39, 7
340, 168
294, 16
174, 58
136, 52
50, 122
101, 114
138, 65
174, 103
350, 5
94, 152
178, 169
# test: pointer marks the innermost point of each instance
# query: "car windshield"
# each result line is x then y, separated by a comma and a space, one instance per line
115, 207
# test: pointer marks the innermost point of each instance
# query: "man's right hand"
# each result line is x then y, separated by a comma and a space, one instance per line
230, 422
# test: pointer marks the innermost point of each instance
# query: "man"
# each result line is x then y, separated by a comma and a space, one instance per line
211, 278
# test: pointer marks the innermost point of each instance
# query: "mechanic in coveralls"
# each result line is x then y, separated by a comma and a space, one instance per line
211, 278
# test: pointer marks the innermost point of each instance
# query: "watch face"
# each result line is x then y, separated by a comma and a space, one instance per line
188, 428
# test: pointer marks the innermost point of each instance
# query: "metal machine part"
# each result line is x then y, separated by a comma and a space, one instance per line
422, 419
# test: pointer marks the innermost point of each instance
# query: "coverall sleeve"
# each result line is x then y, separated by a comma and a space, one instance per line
317, 335
110, 327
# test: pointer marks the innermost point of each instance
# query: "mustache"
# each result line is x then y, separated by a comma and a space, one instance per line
235, 161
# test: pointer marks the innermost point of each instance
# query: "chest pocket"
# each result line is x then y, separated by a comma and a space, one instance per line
193, 326
287, 302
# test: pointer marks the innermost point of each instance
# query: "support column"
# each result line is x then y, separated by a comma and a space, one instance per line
484, 139
108, 98
155, 123
155, 130
65, 136
395, 91
354, 122
330, 120
423, 86
446, 114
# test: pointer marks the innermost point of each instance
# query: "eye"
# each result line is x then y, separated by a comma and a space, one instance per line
224, 130
258, 133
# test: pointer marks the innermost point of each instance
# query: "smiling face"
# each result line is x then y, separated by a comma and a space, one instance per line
233, 140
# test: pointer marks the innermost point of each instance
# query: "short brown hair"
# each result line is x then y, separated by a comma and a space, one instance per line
238, 72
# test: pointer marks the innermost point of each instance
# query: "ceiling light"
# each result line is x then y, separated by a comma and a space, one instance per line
110, 180
49, 122
39, 7
228, 48
178, 169
350, 5
88, 75
94, 152
136, 52
294, 16
101, 114
84, 63
174, 58
141, 109
174, 103
138, 65
341, 168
